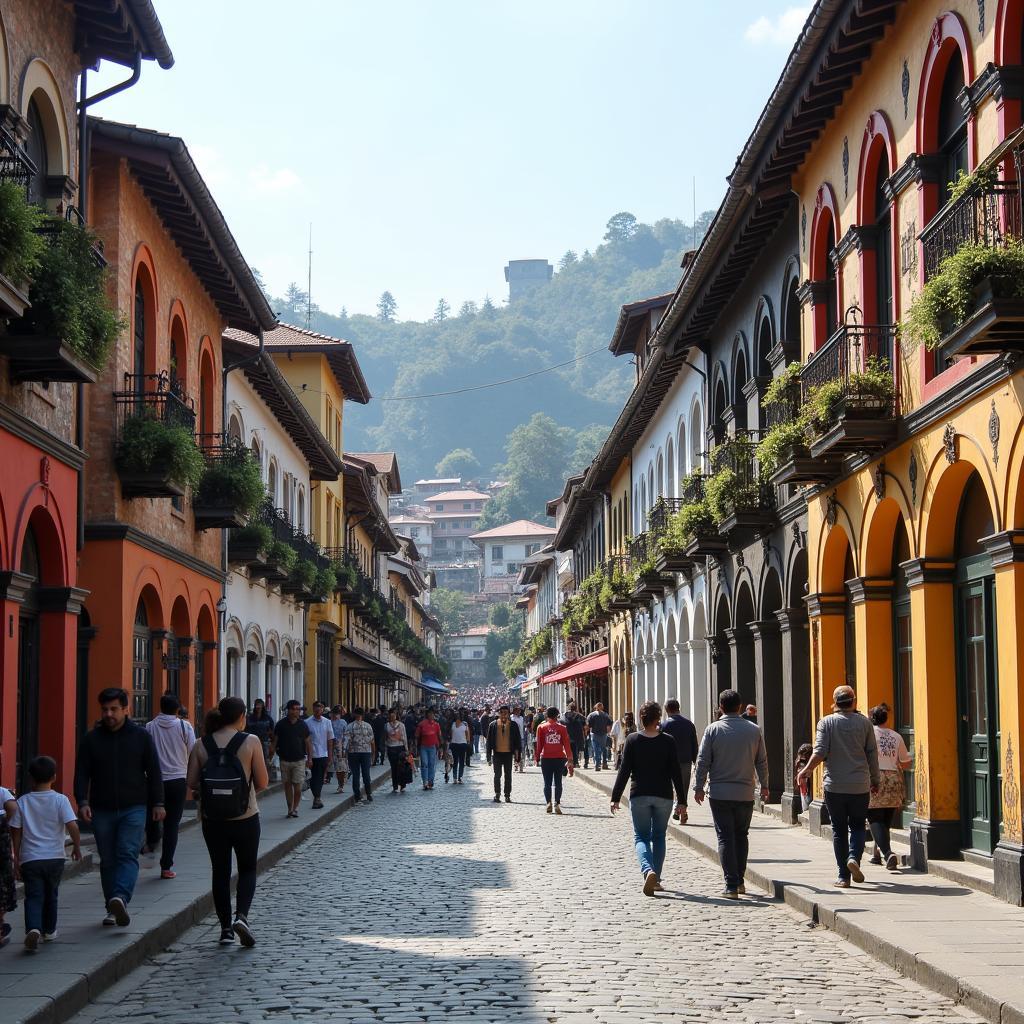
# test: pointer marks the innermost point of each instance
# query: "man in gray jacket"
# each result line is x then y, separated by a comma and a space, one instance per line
845, 742
731, 751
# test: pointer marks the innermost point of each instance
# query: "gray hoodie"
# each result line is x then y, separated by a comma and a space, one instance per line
730, 752
174, 739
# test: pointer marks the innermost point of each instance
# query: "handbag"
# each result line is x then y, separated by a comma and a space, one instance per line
890, 793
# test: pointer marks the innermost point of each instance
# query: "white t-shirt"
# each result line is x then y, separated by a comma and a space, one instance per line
891, 749
460, 732
42, 817
5, 795
321, 735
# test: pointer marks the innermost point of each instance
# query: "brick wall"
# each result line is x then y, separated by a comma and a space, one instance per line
125, 220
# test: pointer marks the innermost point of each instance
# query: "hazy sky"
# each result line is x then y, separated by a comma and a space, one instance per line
430, 141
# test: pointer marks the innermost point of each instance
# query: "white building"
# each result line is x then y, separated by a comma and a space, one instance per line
505, 548
419, 529
263, 649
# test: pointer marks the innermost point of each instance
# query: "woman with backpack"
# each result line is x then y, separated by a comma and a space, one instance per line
226, 770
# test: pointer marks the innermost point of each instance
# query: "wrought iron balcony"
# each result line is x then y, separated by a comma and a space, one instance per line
15, 164
988, 214
861, 414
214, 504
749, 501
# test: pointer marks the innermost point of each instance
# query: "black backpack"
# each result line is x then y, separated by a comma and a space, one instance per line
224, 792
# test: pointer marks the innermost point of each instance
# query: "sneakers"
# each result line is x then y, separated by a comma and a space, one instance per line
853, 867
49, 936
651, 883
32, 938
508, 798
730, 894
892, 862
243, 931
369, 799
119, 909
549, 808
108, 921
293, 814
317, 804
167, 873
558, 808
227, 937
841, 883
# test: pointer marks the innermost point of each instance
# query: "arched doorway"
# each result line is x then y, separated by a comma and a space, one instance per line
977, 683
721, 656
27, 746
142, 665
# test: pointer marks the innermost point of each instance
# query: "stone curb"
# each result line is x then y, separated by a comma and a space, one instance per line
917, 967
77, 993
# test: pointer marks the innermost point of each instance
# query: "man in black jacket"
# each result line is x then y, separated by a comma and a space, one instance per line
683, 731
504, 746
576, 725
117, 776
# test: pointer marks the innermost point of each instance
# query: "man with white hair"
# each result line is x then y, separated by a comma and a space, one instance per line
845, 743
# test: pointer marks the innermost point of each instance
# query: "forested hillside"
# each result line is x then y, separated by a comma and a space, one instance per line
491, 341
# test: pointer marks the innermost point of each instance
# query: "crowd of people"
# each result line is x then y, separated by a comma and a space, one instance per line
132, 782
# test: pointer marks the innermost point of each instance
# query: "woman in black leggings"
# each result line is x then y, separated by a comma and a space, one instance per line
239, 834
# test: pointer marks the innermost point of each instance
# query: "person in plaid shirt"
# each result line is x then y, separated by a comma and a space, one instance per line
361, 750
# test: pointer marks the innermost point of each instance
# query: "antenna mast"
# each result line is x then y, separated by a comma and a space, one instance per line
309, 282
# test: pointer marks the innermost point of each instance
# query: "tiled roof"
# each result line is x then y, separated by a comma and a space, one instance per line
477, 631
519, 528
383, 462
409, 521
459, 496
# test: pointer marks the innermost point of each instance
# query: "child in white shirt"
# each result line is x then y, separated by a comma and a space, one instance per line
38, 824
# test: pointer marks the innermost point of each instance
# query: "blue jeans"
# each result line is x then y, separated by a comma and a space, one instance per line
360, 764
42, 879
428, 764
552, 768
118, 841
650, 816
849, 812
599, 747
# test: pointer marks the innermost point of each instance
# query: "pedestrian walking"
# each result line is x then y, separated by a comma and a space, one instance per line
893, 760
480, 723
410, 721
621, 731
599, 724
459, 746
321, 739
38, 824
260, 723
294, 750
396, 746
804, 785
339, 759
226, 771
553, 753
504, 748
683, 731
380, 719
8, 898
845, 743
361, 750
117, 776
174, 739
650, 764
731, 752
428, 742
750, 713
520, 721
575, 725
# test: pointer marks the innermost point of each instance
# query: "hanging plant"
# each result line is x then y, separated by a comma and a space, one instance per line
21, 246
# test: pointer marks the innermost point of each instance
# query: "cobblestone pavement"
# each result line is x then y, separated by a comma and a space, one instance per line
443, 906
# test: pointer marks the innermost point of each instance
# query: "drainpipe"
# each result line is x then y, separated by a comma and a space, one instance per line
84, 102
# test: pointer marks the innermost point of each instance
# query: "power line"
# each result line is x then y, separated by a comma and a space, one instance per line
493, 384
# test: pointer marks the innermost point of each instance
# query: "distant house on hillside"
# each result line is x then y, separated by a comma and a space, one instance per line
467, 655
419, 528
455, 515
447, 483
526, 276
505, 548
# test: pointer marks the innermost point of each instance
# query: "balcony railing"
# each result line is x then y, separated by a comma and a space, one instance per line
15, 164
659, 516
844, 356
158, 395
986, 214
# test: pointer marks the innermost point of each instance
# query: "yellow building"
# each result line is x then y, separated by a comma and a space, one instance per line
324, 373
914, 459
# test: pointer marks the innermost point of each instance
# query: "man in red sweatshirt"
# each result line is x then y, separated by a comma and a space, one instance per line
553, 752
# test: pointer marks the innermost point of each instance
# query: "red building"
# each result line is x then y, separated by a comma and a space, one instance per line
45, 45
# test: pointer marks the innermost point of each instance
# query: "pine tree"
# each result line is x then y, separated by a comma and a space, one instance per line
387, 308
441, 311
568, 260
468, 308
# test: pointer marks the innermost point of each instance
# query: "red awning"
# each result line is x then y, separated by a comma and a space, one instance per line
581, 667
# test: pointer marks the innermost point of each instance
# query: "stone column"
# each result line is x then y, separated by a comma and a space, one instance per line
1007, 552
796, 701
770, 700
935, 831
698, 688
741, 655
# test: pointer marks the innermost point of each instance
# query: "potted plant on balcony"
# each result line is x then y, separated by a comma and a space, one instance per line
971, 280
248, 544
156, 459
21, 248
300, 581
230, 491
69, 330
696, 525
279, 563
615, 589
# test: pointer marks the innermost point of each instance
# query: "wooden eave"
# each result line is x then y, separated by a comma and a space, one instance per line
121, 31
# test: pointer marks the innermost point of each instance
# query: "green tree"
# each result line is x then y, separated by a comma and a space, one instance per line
500, 615
468, 308
620, 228
441, 311
460, 462
451, 609
487, 308
386, 308
568, 259
501, 640
588, 444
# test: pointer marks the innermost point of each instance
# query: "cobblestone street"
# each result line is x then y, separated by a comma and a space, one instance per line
443, 906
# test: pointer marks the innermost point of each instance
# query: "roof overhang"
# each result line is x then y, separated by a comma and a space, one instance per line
631, 321
121, 31
341, 358
171, 182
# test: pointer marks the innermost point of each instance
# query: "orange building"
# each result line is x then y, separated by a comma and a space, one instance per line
45, 47
153, 558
